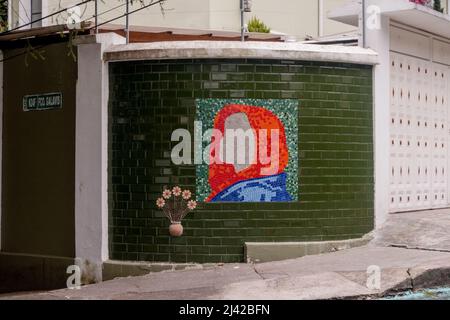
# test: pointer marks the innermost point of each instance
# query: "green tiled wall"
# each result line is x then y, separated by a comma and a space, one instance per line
150, 99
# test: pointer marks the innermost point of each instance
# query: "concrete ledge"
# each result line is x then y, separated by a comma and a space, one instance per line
240, 50
25, 272
259, 252
109, 38
122, 269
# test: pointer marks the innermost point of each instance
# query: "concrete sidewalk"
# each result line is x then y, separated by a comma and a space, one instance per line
329, 276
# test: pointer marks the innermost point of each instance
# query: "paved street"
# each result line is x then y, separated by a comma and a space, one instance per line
224, 150
336, 275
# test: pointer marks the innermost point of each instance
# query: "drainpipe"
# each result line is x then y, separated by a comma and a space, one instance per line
127, 22
242, 21
363, 15
96, 16
321, 18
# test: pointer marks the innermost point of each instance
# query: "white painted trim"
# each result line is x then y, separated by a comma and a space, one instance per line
321, 18
241, 50
25, 14
411, 43
45, 12
418, 31
1, 144
91, 155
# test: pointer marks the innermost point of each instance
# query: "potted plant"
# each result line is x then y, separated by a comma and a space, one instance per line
176, 204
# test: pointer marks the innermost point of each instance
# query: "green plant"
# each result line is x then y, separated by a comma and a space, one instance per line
3, 15
256, 25
437, 6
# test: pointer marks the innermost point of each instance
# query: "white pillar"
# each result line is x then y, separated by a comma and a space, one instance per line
91, 157
378, 39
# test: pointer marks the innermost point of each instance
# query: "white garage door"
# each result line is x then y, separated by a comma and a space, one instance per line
419, 130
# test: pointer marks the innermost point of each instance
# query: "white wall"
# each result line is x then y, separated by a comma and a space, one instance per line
300, 18
333, 27
45, 12
24, 11
295, 17
177, 13
224, 15
91, 154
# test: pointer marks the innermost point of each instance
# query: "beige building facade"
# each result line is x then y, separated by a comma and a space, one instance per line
299, 18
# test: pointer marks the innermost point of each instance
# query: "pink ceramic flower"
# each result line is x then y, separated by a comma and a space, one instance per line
167, 194
176, 191
187, 194
176, 204
192, 205
160, 203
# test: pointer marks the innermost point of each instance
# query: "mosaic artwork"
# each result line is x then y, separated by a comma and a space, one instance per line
251, 150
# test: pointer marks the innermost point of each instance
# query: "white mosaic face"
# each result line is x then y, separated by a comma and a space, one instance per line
234, 149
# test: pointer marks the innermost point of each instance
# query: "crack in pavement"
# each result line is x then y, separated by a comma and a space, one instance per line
261, 274
401, 246
410, 277
257, 272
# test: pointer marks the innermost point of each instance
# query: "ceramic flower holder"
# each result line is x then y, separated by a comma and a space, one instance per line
176, 204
